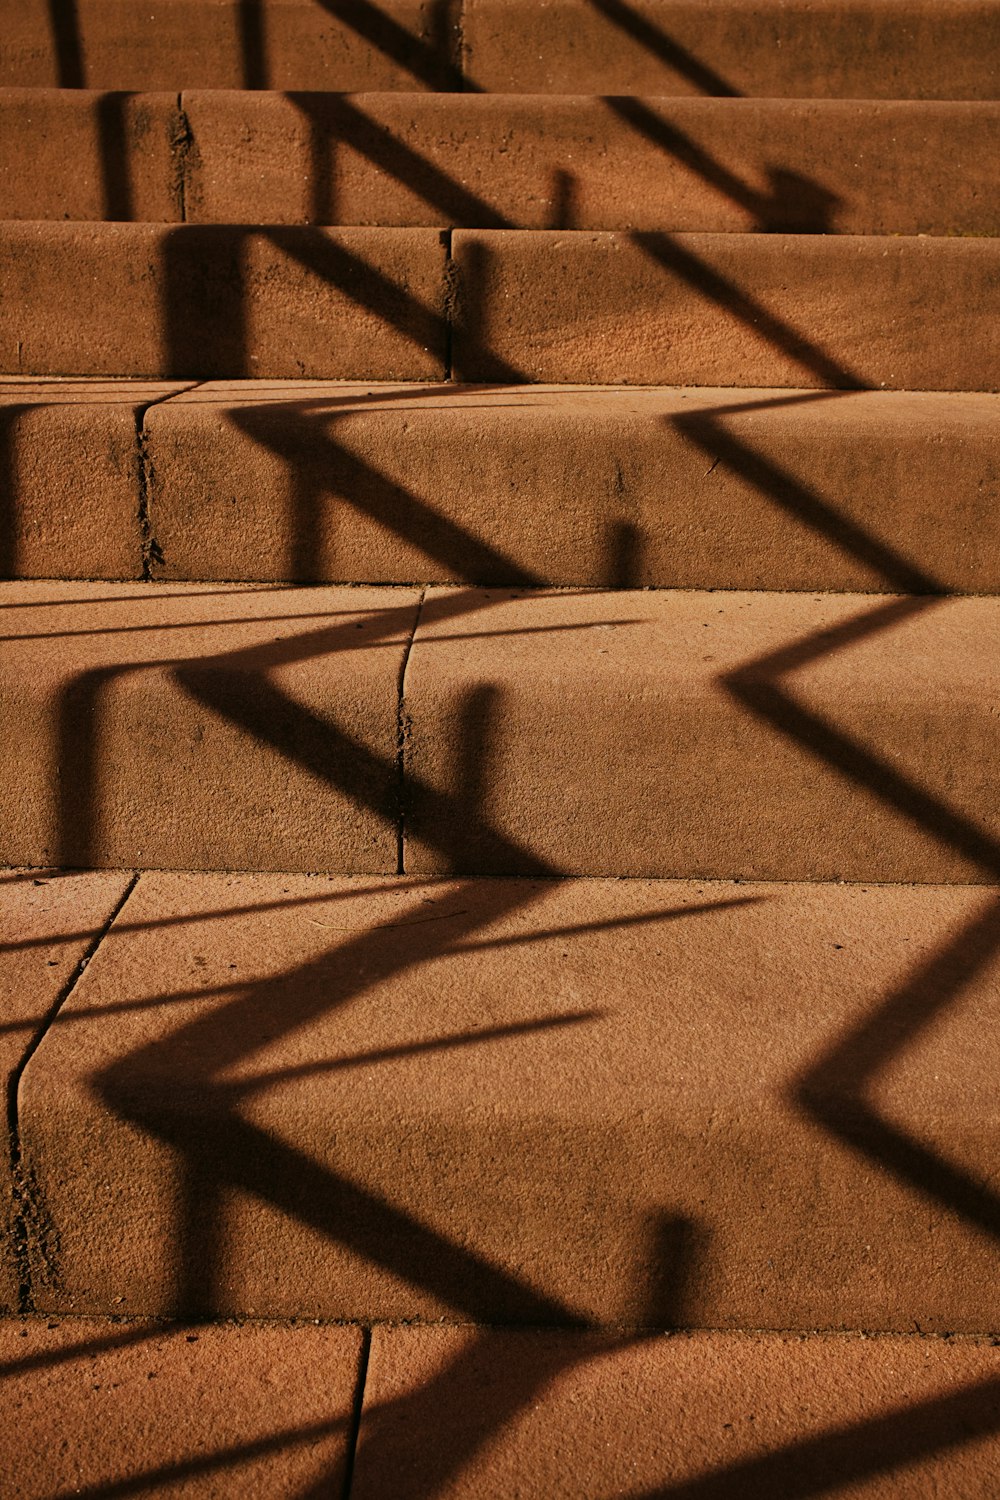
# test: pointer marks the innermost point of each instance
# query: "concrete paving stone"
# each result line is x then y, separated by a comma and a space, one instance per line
70, 154
702, 309
194, 301
70, 487
894, 49
574, 486
207, 727
573, 1417
704, 733
535, 1102
48, 921
483, 161
278, 44
101, 1408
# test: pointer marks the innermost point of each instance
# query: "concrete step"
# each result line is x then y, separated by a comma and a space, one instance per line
272, 1410
942, 49
235, 727
690, 309
224, 301
491, 161
566, 486
202, 726
573, 1103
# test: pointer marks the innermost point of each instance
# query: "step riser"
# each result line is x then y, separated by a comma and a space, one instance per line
485, 162
769, 48
749, 310
777, 310
136, 299
180, 727
529, 1101
603, 489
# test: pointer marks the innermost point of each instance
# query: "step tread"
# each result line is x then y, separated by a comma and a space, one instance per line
106, 1408
646, 1102
538, 1414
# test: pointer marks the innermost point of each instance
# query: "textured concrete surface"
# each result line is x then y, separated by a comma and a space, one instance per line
690, 309
600, 488
279, 44
192, 301
70, 477
625, 1101
543, 1416
709, 734
904, 49
69, 154
479, 161
48, 921
210, 727
100, 1408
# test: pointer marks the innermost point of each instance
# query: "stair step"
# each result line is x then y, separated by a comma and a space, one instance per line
567, 486
707, 1416
783, 310
202, 726
224, 301
490, 161
797, 48
703, 733
50, 923
535, 1101
110, 1408
216, 726
228, 301
106, 1407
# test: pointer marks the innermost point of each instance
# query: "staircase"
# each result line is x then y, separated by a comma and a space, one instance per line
500, 712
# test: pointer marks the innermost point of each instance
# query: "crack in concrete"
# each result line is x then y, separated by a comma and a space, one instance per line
34, 1235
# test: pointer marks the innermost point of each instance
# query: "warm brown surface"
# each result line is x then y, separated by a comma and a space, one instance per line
671, 488
797, 48
71, 155
708, 1417
201, 300
604, 733
48, 921
106, 1409
280, 44
631, 1101
594, 163
70, 477
739, 310
202, 726
902, 48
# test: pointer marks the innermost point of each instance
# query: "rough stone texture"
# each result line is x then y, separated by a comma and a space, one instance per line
204, 727
70, 483
483, 161
66, 154
693, 309
47, 923
630, 1102
198, 301
603, 488
278, 44
903, 49
573, 1417
101, 1408
633, 734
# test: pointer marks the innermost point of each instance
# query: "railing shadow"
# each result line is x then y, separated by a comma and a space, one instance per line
834, 1091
